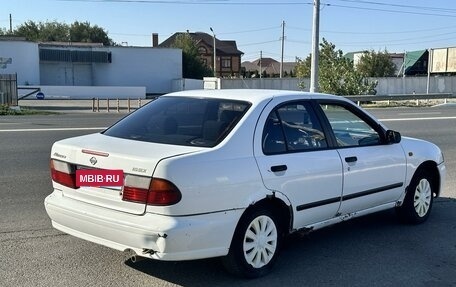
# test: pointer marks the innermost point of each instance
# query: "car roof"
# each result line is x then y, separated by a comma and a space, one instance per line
252, 95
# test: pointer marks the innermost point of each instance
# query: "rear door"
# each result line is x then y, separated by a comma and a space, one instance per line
293, 157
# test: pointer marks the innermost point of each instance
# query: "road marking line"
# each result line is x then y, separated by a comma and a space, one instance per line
417, 119
53, 129
428, 113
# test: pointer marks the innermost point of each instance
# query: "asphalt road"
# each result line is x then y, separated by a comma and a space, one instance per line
370, 251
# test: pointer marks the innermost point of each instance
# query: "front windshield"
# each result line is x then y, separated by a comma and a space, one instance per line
181, 121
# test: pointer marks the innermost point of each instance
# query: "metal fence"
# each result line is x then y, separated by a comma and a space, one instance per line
401, 97
385, 86
117, 105
8, 89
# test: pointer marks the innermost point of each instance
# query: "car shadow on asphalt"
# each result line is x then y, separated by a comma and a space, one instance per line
375, 250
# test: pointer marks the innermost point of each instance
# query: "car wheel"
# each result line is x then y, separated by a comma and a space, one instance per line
255, 244
418, 200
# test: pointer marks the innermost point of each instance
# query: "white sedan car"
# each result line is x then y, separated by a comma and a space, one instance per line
229, 173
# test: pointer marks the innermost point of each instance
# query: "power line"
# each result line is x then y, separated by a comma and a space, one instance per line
254, 54
391, 11
402, 44
183, 2
250, 31
271, 53
297, 28
298, 42
403, 40
258, 43
375, 33
448, 10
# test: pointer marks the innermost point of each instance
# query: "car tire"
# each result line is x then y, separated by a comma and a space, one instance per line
255, 245
418, 201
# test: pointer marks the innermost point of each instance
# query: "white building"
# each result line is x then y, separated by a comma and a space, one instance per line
91, 65
21, 57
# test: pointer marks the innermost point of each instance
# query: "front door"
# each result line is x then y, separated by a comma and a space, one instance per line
374, 172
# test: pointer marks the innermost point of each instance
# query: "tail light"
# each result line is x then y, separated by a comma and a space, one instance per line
63, 173
163, 192
155, 191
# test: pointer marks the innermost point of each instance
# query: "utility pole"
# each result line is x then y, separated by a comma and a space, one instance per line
261, 68
283, 40
429, 63
11, 24
315, 44
215, 56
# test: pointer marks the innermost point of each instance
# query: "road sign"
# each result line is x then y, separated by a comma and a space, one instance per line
40, 96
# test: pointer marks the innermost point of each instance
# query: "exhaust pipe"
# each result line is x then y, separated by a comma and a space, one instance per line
132, 256
136, 258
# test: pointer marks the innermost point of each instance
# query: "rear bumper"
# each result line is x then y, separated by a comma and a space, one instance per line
149, 235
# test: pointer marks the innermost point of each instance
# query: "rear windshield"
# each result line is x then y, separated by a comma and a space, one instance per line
181, 121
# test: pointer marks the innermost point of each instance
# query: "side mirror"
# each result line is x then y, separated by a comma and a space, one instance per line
392, 137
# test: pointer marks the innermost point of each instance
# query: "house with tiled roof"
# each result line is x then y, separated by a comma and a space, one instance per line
227, 54
268, 66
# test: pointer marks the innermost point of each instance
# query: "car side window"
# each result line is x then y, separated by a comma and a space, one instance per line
273, 138
349, 129
292, 127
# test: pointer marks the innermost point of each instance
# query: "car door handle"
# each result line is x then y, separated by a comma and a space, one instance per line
351, 159
277, 168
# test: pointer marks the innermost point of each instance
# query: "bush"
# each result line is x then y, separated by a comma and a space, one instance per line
5, 110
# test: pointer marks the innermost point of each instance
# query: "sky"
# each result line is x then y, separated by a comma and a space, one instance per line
256, 25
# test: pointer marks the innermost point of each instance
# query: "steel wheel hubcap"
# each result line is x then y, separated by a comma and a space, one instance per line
260, 241
422, 198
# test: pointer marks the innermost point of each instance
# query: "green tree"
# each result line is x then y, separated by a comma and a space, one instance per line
29, 30
84, 32
61, 32
192, 66
4, 32
52, 31
336, 73
376, 64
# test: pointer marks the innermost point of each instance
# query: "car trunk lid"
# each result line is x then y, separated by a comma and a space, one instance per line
97, 151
